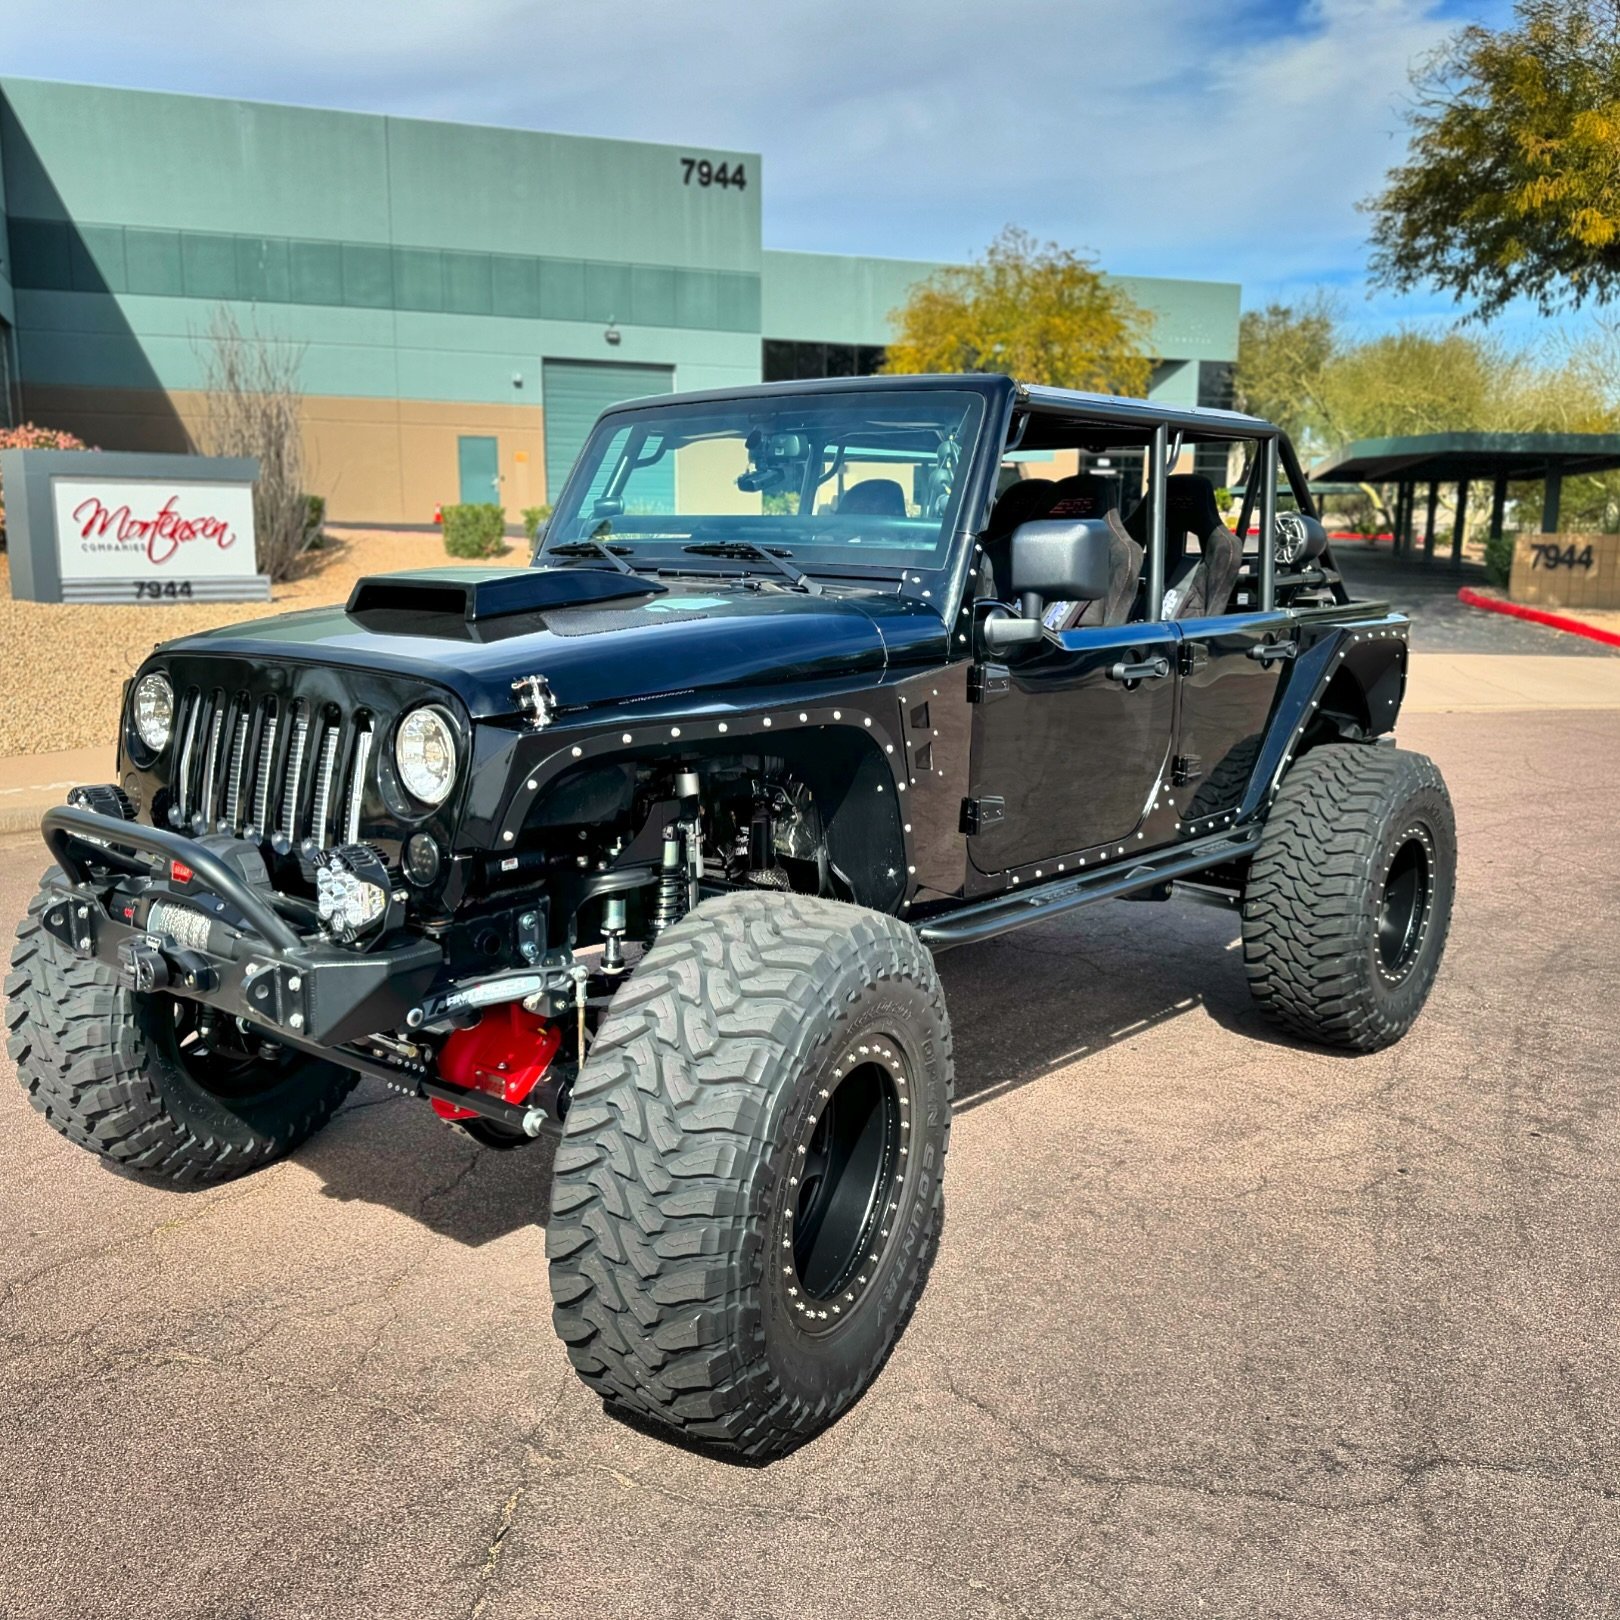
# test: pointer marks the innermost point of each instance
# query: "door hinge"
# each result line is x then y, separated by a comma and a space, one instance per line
987, 680
978, 814
1194, 655
1185, 768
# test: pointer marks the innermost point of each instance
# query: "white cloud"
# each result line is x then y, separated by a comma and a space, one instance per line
1175, 137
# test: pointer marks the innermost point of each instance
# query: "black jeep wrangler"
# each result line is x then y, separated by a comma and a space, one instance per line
650, 843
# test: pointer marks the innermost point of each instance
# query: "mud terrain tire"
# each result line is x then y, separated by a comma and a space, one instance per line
97, 1062
747, 1196
1348, 899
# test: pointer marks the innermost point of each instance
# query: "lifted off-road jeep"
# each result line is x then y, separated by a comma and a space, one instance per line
650, 843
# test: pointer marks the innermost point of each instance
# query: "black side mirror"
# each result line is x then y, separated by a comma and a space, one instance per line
1057, 561
1062, 560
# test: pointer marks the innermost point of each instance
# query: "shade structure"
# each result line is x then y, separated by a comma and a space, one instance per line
1434, 459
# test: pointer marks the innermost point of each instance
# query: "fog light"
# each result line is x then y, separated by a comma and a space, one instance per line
422, 859
354, 894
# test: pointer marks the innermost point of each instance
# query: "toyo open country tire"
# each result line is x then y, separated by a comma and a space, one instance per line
1348, 898
747, 1196
98, 1063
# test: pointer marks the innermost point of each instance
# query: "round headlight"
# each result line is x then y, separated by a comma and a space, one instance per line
153, 710
425, 752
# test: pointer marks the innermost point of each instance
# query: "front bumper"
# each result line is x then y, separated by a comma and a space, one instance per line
245, 953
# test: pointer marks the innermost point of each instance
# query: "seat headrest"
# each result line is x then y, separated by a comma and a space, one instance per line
1189, 503
880, 497
1189, 508
1019, 503
1083, 495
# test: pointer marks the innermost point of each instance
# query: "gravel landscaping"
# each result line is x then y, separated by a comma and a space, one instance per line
65, 664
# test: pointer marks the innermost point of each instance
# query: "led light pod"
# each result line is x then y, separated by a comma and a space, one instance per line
354, 893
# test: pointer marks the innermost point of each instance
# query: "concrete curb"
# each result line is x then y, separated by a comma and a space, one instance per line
1553, 621
31, 784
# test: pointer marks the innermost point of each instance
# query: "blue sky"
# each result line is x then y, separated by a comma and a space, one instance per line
1172, 137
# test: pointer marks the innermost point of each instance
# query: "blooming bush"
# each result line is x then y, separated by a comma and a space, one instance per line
32, 437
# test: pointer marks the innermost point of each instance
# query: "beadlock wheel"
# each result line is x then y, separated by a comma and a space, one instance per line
1408, 902
838, 1206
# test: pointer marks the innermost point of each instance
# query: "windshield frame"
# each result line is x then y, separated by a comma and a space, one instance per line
982, 422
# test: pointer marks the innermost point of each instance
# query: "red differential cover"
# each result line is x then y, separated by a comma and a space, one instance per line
505, 1053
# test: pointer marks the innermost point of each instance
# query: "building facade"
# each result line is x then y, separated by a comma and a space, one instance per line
463, 300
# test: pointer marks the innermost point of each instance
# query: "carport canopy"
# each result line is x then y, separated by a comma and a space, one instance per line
1462, 458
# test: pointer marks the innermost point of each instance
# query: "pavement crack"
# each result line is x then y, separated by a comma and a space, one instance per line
492, 1553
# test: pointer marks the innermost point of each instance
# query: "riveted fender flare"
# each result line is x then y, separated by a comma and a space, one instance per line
850, 745
1346, 684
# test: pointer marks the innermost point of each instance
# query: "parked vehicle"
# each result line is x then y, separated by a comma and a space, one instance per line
652, 843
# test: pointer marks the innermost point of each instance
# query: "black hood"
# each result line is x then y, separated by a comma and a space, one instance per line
597, 636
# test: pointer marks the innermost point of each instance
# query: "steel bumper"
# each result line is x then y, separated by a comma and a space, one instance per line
256, 965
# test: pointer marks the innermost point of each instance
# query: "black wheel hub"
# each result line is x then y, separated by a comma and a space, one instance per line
1407, 901
844, 1184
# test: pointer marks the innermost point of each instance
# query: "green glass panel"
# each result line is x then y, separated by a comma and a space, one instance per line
739, 302
152, 261
41, 254
562, 289
697, 299
466, 283
208, 264
514, 286
98, 258
419, 278
607, 292
368, 277
317, 272
262, 271
652, 296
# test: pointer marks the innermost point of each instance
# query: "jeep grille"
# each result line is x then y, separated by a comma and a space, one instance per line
273, 769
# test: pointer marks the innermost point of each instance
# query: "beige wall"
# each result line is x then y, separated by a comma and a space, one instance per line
375, 460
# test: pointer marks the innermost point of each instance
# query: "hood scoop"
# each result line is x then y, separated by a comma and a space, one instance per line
456, 602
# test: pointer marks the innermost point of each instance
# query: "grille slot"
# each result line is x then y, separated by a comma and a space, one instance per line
320, 812
208, 806
357, 781
264, 777
233, 780
185, 794
294, 782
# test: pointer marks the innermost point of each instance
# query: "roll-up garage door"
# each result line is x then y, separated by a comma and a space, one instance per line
576, 392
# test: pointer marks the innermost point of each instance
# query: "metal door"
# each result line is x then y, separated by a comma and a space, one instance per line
1070, 743
479, 461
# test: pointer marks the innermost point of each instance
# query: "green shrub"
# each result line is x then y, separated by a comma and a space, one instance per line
314, 522
533, 517
474, 531
1499, 558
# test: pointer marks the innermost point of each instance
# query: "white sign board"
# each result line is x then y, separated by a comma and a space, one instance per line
152, 540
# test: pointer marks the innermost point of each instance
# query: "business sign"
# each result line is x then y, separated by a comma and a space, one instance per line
160, 539
108, 527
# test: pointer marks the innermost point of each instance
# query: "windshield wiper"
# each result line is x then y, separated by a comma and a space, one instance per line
743, 549
590, 548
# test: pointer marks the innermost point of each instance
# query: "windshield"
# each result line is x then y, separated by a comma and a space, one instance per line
836, 481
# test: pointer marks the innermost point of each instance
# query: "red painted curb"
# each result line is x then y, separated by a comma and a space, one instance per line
1553, 621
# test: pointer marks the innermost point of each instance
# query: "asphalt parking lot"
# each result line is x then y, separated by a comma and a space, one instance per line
1220, 1325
